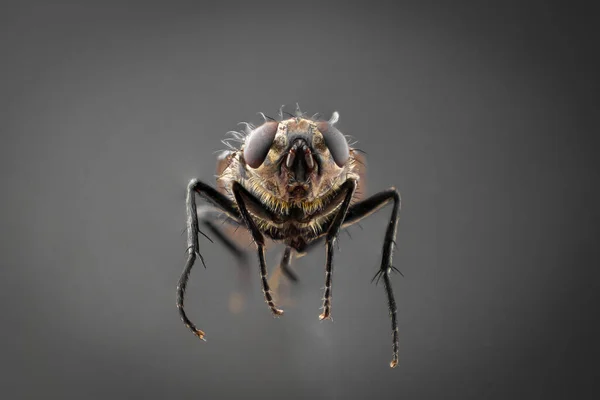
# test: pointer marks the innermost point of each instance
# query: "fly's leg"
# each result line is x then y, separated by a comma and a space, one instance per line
347, 190
245, 200
284, 269
363, 209
275, 281
285, 263
193, 250
236, 250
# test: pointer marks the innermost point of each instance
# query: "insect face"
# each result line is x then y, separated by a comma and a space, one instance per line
296, 160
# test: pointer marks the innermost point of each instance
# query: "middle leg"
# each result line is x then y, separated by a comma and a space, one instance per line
220, 225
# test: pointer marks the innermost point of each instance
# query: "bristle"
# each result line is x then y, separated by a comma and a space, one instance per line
229, 146
249, 126
230, 139
281, 112
265, 117
298, 111
237, 135
222, 154
334, 118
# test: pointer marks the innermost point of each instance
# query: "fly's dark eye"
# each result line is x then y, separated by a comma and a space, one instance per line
336, 143
258, 144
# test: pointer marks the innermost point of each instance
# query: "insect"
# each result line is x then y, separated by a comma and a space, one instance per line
294, 181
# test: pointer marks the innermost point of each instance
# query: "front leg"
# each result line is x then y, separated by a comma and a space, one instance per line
363, 209
224, 204
244, 200
348, 188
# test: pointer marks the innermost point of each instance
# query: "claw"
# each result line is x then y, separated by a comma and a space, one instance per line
325, 315
200, 334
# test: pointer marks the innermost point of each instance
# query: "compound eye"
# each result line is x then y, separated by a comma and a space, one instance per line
258, 144
336, 143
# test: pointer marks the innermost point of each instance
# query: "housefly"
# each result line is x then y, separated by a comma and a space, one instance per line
295, 181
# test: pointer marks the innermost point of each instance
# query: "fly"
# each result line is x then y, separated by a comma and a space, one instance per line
295, 181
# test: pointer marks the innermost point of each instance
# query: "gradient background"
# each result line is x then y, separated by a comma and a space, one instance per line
479, 113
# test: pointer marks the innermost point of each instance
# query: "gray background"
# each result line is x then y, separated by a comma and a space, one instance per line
479, 113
